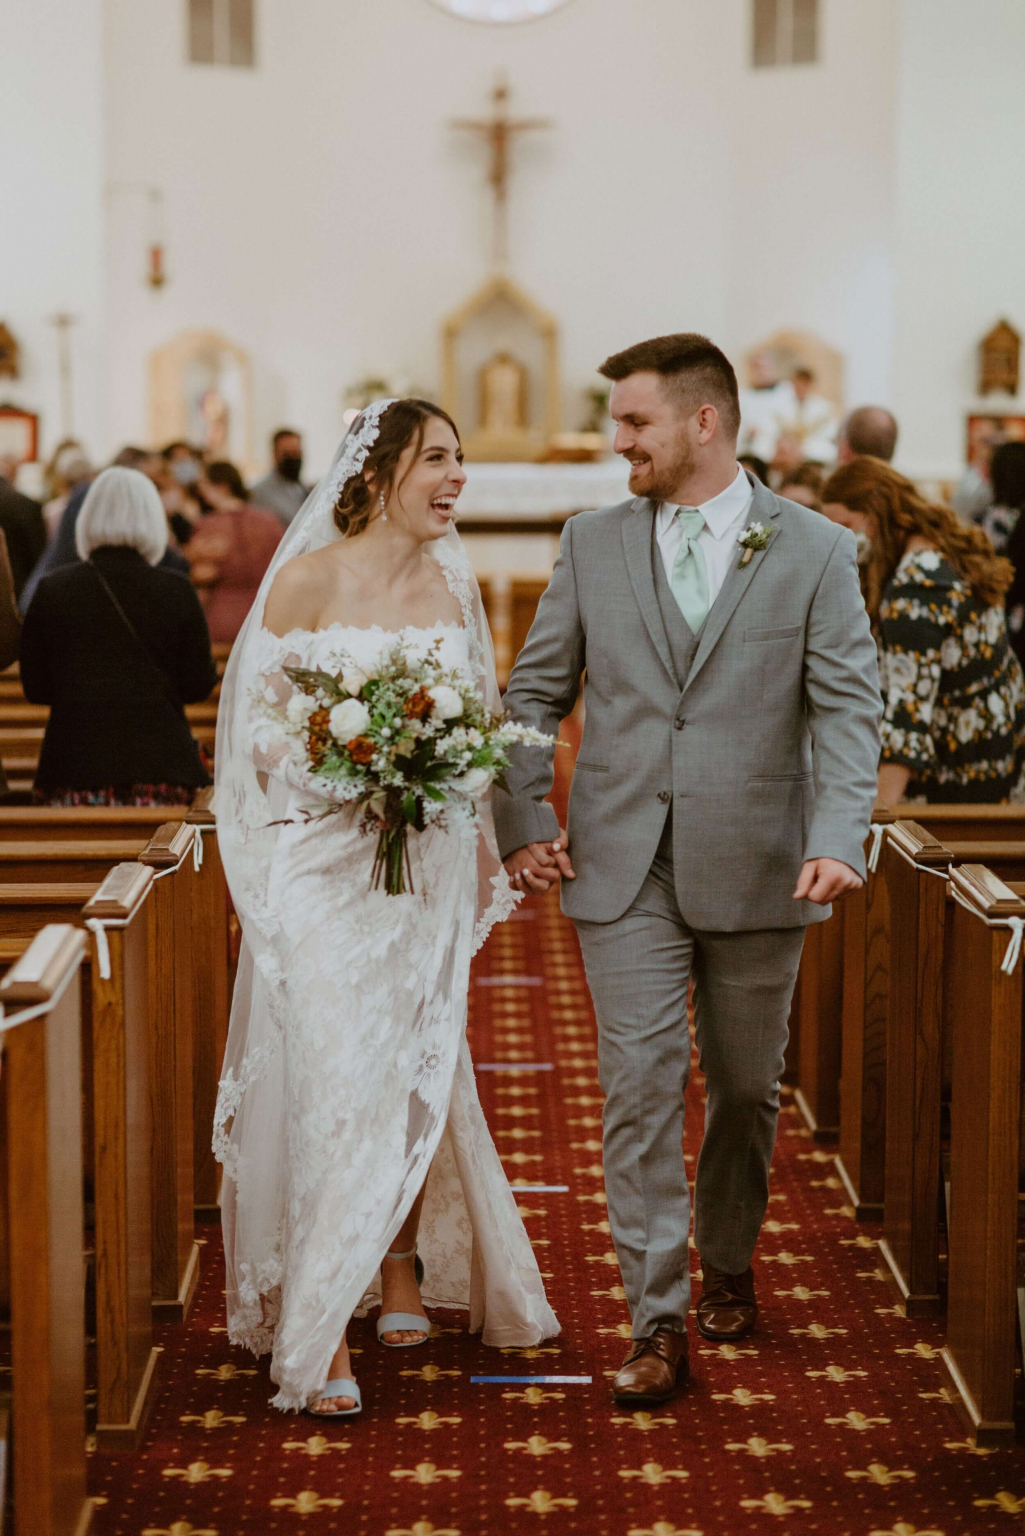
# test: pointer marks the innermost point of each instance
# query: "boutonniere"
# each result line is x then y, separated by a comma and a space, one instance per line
755, 536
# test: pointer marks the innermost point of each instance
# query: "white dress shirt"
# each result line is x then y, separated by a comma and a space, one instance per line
725, 520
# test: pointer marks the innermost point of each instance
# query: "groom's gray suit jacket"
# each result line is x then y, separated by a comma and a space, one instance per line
763, 736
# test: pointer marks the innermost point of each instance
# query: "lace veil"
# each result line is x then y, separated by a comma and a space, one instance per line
249, 802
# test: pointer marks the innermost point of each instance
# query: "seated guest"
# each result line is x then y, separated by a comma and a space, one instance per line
804, 485
230, 550
1007, 499
63, 551
953, 690
282, 491
871, 430
116, 647
21, 521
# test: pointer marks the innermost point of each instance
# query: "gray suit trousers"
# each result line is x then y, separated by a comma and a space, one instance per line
638, 968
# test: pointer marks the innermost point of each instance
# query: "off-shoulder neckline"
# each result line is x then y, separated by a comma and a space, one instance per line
371, 629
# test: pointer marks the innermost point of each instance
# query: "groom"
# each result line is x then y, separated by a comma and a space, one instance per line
720, 800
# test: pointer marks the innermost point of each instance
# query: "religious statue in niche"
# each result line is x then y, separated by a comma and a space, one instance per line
500, 349
503, 395
200, 390
506, 396
999, 359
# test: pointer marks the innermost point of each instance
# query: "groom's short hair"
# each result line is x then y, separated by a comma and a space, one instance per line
695, 371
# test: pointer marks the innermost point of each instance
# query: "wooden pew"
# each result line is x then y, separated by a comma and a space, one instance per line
962, 828
171, 1012
64, 859
861, 1158
117, 1008
985, 1152
211, 968
125, 1358
212, 998
20, 823
820, 1005
524, 595
822, 999
913, 872
921, 982
39, 1083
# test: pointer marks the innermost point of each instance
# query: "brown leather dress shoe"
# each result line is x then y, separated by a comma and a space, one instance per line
653, 1369
727, 1309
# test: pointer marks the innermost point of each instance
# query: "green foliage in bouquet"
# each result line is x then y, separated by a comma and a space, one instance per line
407, 744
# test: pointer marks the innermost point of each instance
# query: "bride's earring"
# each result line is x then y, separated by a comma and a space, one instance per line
384, 515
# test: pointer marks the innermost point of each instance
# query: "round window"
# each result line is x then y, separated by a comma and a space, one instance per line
500, 10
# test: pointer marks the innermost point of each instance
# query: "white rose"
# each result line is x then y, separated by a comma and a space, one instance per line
929, 560
353, 680
950, 654
299, 708
448, 704
993, 623
970, 634
473, 782
348, 720
996, 707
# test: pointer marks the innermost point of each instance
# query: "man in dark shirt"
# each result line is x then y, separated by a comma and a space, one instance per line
21, 520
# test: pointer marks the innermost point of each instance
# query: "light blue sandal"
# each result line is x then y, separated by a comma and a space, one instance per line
341, 1386
405, 1322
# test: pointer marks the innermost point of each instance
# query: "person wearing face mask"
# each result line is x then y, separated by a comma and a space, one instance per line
177, 485
282, 491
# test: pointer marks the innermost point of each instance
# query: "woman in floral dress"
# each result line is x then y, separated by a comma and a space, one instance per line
954, 694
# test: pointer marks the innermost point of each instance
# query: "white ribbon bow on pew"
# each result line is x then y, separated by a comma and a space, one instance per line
1016, 924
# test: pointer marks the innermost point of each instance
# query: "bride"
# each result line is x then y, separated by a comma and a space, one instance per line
358, 1166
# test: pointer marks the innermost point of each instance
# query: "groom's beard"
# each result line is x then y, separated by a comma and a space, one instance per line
663, 484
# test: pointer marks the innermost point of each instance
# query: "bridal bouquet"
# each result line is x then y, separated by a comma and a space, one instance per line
407, 743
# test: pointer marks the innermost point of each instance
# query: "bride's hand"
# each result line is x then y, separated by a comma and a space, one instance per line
539, 865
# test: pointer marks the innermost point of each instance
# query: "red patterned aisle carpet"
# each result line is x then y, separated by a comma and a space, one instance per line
833, 1418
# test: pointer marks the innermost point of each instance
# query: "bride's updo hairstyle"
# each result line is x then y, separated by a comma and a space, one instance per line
403, 423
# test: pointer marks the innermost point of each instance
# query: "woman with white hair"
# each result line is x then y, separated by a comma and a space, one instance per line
117, 648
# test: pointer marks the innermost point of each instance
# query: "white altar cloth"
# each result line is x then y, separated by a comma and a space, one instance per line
541, 490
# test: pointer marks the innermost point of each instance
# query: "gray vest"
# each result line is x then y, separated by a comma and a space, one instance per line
683, 642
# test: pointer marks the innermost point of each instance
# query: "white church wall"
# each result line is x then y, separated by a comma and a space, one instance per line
809, 230
320, 211
961, 216
51, 196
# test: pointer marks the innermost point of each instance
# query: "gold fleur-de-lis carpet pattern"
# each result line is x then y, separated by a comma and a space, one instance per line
834, 1417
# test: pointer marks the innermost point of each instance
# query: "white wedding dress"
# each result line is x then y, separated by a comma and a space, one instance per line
360, 1085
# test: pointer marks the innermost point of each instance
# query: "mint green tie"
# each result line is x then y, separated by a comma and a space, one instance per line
690, 574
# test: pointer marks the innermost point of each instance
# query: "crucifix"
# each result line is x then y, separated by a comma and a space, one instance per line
499, 133
62, 323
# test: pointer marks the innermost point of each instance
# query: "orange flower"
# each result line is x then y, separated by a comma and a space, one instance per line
419, 705
361, 749
319, 735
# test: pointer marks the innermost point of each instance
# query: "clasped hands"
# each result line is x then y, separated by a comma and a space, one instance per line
539, 865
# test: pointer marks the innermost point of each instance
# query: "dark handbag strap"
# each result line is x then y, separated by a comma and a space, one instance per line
147, 652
